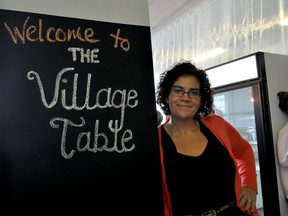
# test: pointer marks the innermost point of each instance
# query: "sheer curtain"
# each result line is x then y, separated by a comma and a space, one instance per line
238, 27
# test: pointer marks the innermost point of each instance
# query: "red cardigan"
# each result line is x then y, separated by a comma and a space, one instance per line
239, 149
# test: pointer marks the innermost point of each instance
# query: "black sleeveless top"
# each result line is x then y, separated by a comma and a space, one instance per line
198, 184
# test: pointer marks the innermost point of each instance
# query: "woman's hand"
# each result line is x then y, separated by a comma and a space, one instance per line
248, 200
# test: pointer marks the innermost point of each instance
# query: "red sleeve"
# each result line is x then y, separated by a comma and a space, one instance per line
166, 195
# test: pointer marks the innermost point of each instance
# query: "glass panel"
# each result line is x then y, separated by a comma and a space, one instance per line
237, 108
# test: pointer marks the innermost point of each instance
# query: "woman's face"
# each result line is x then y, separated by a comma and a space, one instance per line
184, 106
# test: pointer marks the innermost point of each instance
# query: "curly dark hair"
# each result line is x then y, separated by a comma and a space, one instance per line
167, 79
283, 100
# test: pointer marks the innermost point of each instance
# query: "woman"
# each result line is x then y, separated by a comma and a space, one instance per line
208, 168
282, 144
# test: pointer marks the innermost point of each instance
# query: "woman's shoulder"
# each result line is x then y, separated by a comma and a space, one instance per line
211, 118
214, 120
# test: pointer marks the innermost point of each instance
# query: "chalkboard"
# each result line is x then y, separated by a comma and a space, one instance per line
78, 117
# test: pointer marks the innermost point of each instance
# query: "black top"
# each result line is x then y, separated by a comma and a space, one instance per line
198, 184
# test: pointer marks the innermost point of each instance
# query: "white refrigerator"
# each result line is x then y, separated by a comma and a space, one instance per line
246, 96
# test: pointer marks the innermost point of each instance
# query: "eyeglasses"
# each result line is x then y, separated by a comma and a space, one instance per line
192, 93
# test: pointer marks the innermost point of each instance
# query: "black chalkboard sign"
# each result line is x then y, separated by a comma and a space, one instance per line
78, 121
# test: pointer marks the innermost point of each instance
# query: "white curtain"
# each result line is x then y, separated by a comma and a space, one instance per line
240, 27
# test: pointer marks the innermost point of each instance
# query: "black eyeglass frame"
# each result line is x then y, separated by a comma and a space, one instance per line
192, 93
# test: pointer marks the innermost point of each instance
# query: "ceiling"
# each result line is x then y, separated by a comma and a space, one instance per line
162, 11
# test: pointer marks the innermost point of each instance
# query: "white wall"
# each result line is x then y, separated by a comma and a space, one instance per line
115, 11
